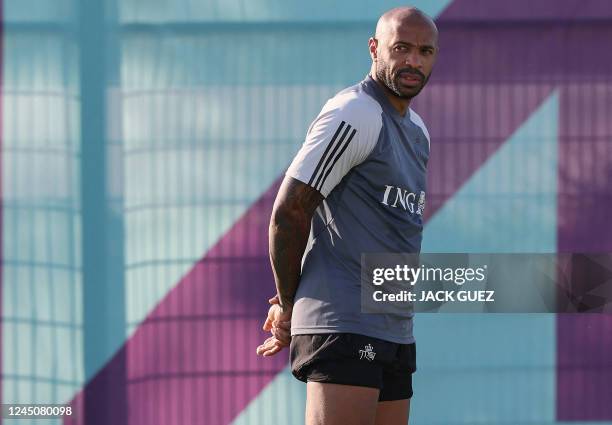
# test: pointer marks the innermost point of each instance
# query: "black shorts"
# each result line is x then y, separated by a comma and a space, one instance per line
353, 359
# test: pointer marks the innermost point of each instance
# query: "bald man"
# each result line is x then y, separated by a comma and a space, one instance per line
357, 185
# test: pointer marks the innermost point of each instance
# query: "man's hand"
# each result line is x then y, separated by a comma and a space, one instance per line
288, 234
278, 323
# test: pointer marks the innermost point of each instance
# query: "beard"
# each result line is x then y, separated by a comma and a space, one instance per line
392, 79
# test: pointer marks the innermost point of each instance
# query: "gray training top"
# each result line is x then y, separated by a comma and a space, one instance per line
369, 163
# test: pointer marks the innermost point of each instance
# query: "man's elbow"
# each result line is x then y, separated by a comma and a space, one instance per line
288, 218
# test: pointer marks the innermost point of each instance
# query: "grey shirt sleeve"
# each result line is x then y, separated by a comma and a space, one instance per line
341, 137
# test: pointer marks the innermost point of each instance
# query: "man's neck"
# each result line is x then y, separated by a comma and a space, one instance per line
401, 105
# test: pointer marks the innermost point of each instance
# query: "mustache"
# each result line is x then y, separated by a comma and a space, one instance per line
410, 71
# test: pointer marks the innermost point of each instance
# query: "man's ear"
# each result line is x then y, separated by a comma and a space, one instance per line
373, 46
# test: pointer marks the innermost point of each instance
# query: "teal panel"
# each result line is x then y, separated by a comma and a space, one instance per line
56, 11
283, 400
42, 309
263, 10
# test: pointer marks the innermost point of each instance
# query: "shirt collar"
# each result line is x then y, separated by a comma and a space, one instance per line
377, 92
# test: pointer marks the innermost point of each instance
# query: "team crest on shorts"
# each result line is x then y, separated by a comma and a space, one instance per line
367, 353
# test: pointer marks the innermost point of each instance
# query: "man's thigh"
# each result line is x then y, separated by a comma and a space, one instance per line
394, 412
335, 404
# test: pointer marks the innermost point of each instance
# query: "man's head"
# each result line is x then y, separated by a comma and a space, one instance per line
404, 50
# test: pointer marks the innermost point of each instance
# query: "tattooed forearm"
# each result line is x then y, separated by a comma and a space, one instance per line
288, 234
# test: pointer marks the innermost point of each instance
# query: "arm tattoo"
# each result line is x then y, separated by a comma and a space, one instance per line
294, 206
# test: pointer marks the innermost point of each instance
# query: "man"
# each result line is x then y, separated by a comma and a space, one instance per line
357, 185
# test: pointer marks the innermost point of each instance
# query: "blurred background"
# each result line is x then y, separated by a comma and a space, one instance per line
142, 145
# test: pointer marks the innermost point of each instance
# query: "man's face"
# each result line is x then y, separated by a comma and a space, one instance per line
405, 57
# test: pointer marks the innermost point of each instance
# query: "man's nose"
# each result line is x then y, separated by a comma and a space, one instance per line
413, 59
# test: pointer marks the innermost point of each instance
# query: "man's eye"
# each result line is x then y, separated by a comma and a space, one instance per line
400, 48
